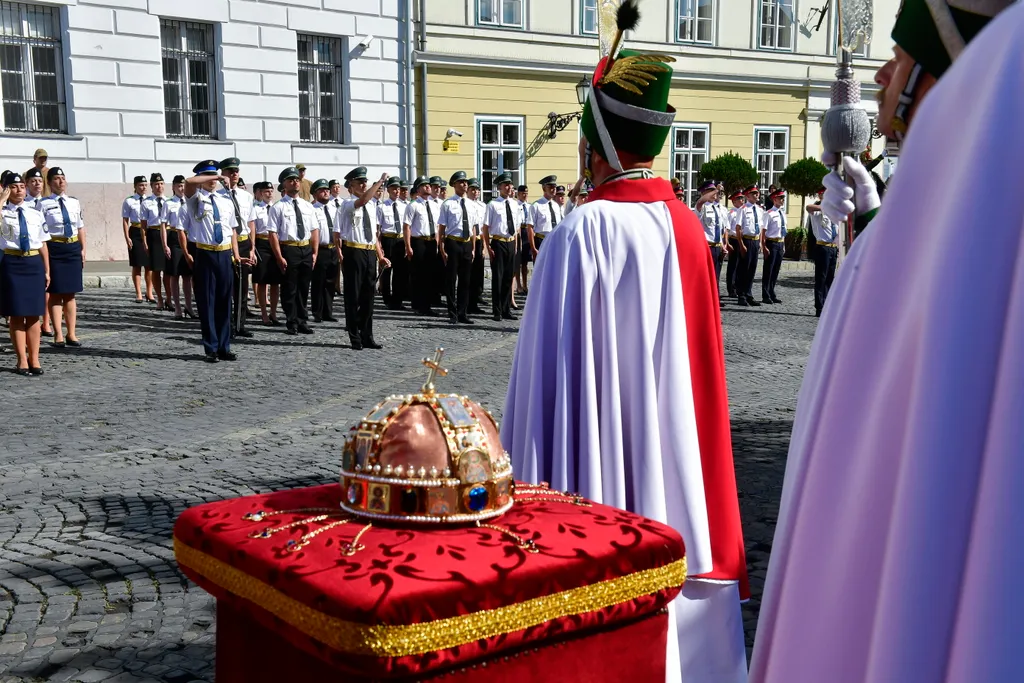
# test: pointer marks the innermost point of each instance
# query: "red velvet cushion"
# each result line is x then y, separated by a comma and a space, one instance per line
417, 600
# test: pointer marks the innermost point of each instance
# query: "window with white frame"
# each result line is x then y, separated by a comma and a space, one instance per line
696, 21
499, 149
190, 89
588, 16
771, 154
321, 89
689, 152
507, 13
31, 82
776, 25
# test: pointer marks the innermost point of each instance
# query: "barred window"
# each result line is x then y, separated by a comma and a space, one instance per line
321, 89
190, 105
31, 82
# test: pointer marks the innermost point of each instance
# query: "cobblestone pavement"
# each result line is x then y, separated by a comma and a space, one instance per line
100, 455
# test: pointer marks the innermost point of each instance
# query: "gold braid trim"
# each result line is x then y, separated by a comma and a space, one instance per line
413, 639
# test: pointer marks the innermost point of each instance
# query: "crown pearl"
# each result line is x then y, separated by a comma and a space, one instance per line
412, 472
433, 473
447, 472
387, 470
423, 472
399, 471
359, 468
376, 468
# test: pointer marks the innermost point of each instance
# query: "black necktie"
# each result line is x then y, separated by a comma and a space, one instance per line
238, 213
327, 215
551, 210
465, 219
301, 229
508, 218
367, 233
430, 218
398, 221
159, 206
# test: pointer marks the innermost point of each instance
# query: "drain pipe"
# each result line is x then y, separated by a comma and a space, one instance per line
408, 118
422, 95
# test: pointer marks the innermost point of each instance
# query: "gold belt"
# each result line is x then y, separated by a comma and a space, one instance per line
135, 225
65, 240
263, 237
828, 244
243, 238
751, 237
295, 243
170, 229
458, 239
357, 245
419, 237
714, 244
19, 252
773, 239
502, 239
213, 247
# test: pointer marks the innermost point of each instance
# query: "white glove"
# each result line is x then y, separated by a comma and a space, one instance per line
856, 195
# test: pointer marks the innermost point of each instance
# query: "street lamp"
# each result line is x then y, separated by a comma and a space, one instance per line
583, 90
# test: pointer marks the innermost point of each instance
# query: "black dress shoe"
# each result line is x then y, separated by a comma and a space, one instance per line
371, 344
59, 344
330, 319
452, 320
291, 330
466, 321
73, 342
766, 300
22, 371
357, 345
317, 319
497, 318
510, 316
227, 355
275, 322
742, 302
189, 313
212, 358
305, 329
776, 300
47, 333
246, 334
751, 302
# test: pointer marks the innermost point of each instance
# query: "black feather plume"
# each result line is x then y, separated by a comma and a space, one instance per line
627, 16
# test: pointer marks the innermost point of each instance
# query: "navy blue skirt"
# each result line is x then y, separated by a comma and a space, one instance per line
157, 259
137, 256
22, 286
65, 267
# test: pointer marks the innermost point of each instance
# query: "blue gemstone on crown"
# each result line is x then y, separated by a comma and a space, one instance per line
477, 498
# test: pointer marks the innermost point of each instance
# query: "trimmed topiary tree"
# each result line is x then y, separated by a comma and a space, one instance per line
801, 178
730, 169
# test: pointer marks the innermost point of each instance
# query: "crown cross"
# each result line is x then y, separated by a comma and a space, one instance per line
434, 364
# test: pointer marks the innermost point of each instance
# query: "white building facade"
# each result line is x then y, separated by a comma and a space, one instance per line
112, 89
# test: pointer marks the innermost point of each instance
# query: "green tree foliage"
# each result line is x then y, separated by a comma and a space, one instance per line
731, 170
803, 177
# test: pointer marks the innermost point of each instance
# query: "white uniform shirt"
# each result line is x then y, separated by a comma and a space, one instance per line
34, 202
10, 228
825, 231
282, 219
245, 206
54, 217
774, 222
132, 209
416, 218
358, 224
327, 214
197, 218
389, 217
174, 204
261, 216
154, 212
541, 216
497, 217
748, 224
708, 213
450, 220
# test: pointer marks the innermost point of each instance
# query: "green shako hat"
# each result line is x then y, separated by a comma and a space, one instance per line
628, 105
934, 32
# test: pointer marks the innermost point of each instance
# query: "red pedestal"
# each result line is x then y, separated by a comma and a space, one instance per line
430, 603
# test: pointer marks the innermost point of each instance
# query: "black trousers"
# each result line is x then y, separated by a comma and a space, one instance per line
359, 267
212, 281
457, 276
716, 257
424, 272
392, 288
770, 269
325, 282
825, 259
747, 269
295, 283
733, 267
476, 275
240, 285
502, 271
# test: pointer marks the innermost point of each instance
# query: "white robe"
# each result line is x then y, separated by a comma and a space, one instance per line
599, 402
901, 529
